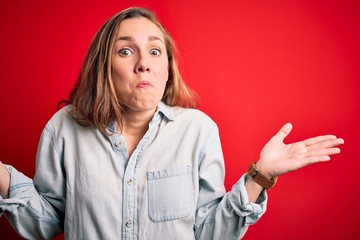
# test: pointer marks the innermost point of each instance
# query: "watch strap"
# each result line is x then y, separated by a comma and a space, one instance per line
259, 178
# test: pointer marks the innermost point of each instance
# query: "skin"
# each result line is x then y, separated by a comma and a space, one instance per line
140, 71
277, 158
4, 181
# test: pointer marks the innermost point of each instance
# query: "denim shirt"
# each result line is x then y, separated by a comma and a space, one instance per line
171, 187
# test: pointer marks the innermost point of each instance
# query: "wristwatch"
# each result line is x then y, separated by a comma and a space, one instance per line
259, 178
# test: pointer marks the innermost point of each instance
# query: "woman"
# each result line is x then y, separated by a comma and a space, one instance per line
130, 157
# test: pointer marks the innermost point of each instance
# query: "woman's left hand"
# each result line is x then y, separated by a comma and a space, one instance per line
277, 158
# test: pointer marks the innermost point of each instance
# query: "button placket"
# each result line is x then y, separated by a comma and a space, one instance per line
130, 196
129, 184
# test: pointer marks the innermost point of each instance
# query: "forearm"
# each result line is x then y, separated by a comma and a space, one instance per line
31, 213
253, 189
4, 181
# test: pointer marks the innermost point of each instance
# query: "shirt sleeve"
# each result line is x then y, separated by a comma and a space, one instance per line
36, 208
221, 215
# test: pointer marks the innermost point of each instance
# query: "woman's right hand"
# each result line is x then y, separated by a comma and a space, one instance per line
4, 181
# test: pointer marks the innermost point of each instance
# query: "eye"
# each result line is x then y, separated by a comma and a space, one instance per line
125, 52
155, 52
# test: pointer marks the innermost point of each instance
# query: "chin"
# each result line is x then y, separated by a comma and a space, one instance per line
143, 106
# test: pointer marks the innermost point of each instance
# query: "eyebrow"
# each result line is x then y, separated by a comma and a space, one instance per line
131, 39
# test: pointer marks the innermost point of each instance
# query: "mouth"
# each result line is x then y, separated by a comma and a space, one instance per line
144, 84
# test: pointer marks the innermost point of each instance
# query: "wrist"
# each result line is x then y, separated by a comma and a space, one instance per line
261, 167
258, 177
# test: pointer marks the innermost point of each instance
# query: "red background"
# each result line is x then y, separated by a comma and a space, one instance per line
255, 64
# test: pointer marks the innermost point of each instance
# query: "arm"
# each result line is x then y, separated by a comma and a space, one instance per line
37, 211
277, 158
221, 215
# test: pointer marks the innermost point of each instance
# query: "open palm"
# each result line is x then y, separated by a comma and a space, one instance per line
277, 158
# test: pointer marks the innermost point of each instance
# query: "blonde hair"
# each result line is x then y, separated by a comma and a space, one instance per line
94, 97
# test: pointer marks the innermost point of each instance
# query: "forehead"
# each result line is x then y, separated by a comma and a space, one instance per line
139, 27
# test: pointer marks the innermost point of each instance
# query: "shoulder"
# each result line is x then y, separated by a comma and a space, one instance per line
192, 116
61, 120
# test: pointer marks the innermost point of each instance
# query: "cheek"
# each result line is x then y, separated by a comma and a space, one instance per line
166, 76
119, 82
164, 71
121, 68
120, 77
117, 74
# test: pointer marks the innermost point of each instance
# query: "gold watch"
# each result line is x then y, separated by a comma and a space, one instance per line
259, 178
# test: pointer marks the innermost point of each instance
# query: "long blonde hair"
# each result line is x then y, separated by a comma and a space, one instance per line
94, 97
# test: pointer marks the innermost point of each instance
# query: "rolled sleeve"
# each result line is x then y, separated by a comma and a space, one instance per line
36, 208
19, 191
239, 201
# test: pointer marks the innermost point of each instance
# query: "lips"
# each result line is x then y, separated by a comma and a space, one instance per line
144, 84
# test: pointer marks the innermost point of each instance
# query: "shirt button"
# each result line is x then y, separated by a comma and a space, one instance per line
117, 143
129, 181
128, 224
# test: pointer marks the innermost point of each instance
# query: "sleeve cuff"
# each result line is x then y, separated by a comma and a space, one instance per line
239, 201
19, 191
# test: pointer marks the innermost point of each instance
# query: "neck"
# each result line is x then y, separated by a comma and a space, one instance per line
136, 123
134, 127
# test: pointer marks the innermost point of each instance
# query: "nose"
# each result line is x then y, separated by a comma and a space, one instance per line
142, 65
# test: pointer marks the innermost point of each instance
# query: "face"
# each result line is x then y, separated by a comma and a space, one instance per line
139, 65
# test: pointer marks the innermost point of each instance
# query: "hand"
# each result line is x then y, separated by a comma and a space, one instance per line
277, 158
4, 181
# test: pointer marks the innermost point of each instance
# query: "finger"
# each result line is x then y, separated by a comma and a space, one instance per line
324, 151
329, 143
318, 139
315, 159
309, 160
284, 131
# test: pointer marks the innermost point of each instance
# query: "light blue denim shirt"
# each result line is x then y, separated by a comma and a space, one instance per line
171, 187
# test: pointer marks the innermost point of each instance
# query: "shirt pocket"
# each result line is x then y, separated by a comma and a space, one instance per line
170, 194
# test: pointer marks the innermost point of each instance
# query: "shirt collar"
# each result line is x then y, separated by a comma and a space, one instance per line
162, 108
166, 110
